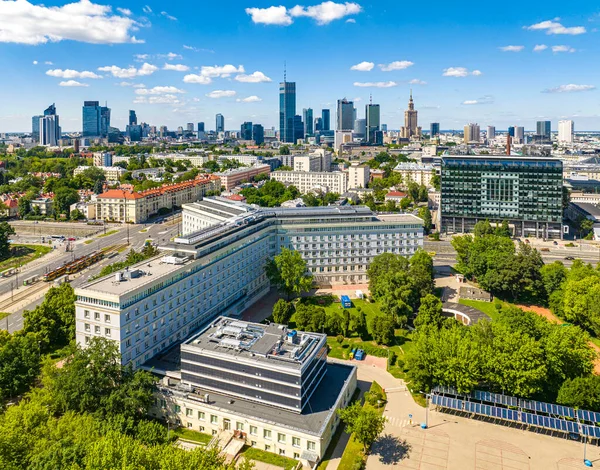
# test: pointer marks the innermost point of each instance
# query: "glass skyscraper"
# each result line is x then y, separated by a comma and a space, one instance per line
219, 123
287, 111
258, 134
96, 119
544, 129
326, 117
307, 116
246, 131
526, 192
132, 118
373, 117
434, 129
345, 115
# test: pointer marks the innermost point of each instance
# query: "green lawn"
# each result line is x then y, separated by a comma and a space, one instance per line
486, 307
3, 315
23, 254
87, 242
110, 232
194, 436
252, 453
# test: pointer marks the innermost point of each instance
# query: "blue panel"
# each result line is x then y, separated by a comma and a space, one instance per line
486, 410
477, 408
525, 417
504, 413
554, 423
546, 422
596, 431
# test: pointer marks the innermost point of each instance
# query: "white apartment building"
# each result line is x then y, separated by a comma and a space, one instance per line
566, 131
220, 271
209, 212
331, 182
358, 176
112, 173
417, 172
231, 178
319, 160
243, 159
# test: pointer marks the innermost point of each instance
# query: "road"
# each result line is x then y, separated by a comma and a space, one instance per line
159, 233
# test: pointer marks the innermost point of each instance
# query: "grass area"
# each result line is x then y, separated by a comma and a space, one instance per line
488, 308
191, 435
23, 254
110, 232
354, 456
87, 242
252, 453
3, 315
144, 230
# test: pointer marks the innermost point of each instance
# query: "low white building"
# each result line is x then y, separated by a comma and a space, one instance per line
112, 173
332, 182
358, 176
417, 172
210, 212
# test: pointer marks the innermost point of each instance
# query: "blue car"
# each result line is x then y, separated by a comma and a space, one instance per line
360, 355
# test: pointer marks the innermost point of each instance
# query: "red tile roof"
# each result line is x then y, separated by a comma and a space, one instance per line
167, 188
395, 194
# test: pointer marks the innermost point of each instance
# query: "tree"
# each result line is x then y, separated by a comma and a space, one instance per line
503, 230
24, 206
98, 186
19, 363
358, 323
288, 272
483, 228
382, 329
430, 312
365, 423
282, 312
383, 264
76, 214
425, 214
335, 323
284, 150
553, 276
6, 231
63, 198
581, 392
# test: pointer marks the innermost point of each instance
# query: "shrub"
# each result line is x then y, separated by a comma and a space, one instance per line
339, 339
391, 358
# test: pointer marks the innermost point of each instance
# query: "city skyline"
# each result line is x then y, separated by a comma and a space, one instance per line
539, 67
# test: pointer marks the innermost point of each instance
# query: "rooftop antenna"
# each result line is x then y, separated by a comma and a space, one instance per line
284, 71
371, 98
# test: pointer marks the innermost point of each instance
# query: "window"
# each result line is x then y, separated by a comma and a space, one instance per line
267, 447
87, 340
87, 327
97, 329
296, 455
106, 318
310, 445
253, 443
267, 434
296, 441
239, 426
214, 419
189, 412
201, 428
96, 316
281, 452
281, 438
201, 415
214, 432
189, 425
107, 331
86, 314
177, 408
253, 430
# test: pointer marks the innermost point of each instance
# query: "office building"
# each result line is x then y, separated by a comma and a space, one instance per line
318, 124
35, 128
511, 131
231, 178
219, 123
307, 117
258, 134
96, 120
134, 132
132, 118
246, 131
566, 131
544, 129
341, 138
201, 131
163, 131
491, 132
360, 129
287, 112
434, 129
345, 115
373, 118
298, 128
519, 135
102, 159
319, 181
319, 160
411, 122
49, 130
384, 128
526, 192
358, 176
326, 117
471, 133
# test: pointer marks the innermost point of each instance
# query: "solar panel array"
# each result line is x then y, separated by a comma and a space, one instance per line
555, 417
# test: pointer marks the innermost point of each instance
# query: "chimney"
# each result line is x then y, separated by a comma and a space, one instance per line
508, 143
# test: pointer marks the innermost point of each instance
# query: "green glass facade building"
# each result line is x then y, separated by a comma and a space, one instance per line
526, 192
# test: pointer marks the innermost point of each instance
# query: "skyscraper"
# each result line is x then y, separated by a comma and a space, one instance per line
35, 128
220, 123
96, 119
472, 132
318, 124
345, 115
246, 131
326, 117
189, 128
566, 131
434, 129
360, 129
411, 126
49, 133
258, 134
298, 128
373, 117
132, 118
519, 135
287, 110
511, 131
491, 132
307, 117
201, 131
544, 129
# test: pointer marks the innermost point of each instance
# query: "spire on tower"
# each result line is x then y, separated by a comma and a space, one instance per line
284, 71
371, 98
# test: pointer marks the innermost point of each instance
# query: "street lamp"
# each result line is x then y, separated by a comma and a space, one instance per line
425, 425
125, 214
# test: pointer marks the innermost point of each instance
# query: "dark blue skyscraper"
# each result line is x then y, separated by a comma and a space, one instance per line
132, 118
298, 128
96, 119
258, 134
246, 131
434, 129
287, 111
318, 124
219, 123
511, 131
326, 117
307, 116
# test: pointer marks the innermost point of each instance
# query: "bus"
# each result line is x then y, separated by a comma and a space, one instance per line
9, 272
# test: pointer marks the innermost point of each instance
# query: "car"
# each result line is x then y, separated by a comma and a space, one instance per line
569, 258
555, 242
71, 239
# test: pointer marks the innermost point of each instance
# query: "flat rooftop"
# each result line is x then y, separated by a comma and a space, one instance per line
316, 413
272, 343
220, 208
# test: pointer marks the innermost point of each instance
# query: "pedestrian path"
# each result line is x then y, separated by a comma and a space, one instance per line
399, 422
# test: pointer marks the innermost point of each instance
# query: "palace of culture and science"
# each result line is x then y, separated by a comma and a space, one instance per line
410, 128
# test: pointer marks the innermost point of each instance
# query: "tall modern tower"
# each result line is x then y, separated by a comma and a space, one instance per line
491, 132
434, 129
472, 133
411, 126
132, 118
96, 119
36, 123
246, 131
345, 115
287, 110
544, 129
373, 117
219, 123
258, 134
307, 117
326, 117
566, 131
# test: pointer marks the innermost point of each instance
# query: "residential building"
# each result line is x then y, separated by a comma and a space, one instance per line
320, 181
307, 117
113, 173
246, 131
566, 131
491, 133
219, 123
88, 209
395, 196
471, 133
345, 115
232, 178
45, 205
102, 159
524, 191
319, 160
418, 172
411, 123
137, 206
434, 129
373, 118
287, 111
326, 118
358, 176
341, 138
258, 134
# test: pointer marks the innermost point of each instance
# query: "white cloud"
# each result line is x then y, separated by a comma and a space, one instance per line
272, 15
221, 71
363, 67
197, 49
130, 72
158, 90
554, 27
512, 48
357, 99
256, 77
571, 88
139, 85
487, 99
160, 99
396, 65
194, 78
124, 84
326, 12
540, 47
562, 49
124, 11
35, 62
146, 9
416, 81
169, 17
25, 23
68, 73
176, 67
459, 72
376, 84
249, 99
171, 56
141, 57
70, 83
350, 20
221, 94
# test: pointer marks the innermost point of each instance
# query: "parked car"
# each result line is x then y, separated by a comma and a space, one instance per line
569, 258
555, 242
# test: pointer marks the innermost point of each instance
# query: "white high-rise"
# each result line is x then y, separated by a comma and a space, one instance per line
566, 130
519, 135
49, 130
491, 132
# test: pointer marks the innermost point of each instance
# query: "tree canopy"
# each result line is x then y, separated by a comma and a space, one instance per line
288, 272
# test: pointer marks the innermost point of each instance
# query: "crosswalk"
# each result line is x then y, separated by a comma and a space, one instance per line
398, 422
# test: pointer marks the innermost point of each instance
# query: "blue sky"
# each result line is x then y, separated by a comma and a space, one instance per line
185, 61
